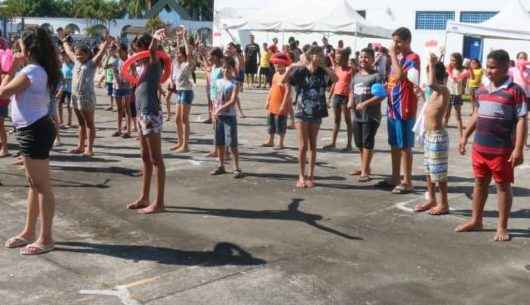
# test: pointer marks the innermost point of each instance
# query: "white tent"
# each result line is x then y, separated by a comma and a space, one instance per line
309, 16
513, 22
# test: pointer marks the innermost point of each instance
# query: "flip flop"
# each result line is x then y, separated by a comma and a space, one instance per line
433, 212
17, 242
420, 208
36, 250
364, 179
401, 190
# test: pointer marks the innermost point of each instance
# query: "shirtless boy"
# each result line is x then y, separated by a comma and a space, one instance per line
436, 144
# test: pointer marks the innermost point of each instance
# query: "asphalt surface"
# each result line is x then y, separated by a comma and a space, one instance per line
257, 240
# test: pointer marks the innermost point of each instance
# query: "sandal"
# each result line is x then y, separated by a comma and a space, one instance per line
218, 171
17, 242
37, 250
238, 174
116, 133
126, 135
401, 190
364, 179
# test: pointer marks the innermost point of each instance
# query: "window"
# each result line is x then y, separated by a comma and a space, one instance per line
476, 17
362, 13
433, 20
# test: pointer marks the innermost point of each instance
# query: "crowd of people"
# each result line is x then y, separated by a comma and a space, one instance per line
304, 84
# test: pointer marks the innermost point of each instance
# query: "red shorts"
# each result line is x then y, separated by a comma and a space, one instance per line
487, 165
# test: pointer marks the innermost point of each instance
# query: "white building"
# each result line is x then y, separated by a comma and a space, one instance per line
425, 18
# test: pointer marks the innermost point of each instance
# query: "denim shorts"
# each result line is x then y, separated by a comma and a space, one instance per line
277, 124
184, 97
226, 131
339, 101
121, 92
110, 89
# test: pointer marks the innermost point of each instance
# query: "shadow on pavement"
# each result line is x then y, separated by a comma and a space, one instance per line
291, 214
222, 254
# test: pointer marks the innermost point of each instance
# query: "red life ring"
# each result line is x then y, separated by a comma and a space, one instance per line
133, 80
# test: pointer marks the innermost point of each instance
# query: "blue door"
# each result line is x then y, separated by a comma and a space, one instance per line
473, 47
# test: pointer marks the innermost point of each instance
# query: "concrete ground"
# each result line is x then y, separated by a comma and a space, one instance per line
257, 240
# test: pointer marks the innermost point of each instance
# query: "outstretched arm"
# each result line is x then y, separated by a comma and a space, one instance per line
102, 49
68, 50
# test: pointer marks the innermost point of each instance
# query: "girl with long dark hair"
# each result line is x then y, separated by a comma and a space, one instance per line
29, 90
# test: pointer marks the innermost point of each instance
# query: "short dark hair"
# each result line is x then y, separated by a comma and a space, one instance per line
217, 52
368, 51
403, 33
500, 56
229, 62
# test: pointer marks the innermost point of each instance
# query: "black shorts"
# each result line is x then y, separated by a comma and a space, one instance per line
36, 140
339, 101
456, 100
364, 134
251, 68
264, 71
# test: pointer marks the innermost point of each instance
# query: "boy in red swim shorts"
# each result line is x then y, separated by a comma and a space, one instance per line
501, 127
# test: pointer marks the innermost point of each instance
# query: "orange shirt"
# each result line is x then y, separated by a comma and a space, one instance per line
276, 94
344, 76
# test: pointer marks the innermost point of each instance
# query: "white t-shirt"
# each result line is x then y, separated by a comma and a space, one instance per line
181, 75
33, 103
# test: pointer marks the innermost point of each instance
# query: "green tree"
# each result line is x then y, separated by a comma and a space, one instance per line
198, 9
137, 8
154, 24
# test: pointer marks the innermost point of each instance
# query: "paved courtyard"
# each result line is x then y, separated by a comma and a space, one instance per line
257, 240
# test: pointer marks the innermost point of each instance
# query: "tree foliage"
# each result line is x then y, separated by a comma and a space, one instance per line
101, 10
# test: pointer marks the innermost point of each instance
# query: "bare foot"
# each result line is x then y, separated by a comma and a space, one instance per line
469, 226
439, 210
502, 235
138, 204
4, 153
310, 183
425, 207
175, 147
212, 154
152, 209
88, 153
77, 150
300, 183
357, 172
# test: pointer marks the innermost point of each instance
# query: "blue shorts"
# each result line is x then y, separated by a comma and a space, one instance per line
400, 134
121, 92
184, 97
110, 89
226, 131
3, 112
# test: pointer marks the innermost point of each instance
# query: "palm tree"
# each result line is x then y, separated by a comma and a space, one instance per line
198, 9
137, 8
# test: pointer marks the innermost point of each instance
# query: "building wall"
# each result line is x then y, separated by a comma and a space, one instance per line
115, 27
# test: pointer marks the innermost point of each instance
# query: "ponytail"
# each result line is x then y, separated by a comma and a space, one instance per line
40, 48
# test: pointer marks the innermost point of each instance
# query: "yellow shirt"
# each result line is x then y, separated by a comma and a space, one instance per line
265, 59
477, 78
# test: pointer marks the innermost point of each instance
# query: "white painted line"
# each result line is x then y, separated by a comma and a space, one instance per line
403, 206
120, 292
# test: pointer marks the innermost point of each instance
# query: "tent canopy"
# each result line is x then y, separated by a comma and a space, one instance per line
513, 22
300, 16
